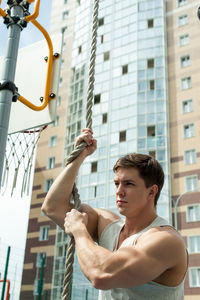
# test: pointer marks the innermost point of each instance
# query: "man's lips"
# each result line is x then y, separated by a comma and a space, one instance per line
120, 202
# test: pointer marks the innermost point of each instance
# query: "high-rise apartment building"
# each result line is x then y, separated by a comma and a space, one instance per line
145, 100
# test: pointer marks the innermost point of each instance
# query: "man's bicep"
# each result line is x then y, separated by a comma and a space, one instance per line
136, 265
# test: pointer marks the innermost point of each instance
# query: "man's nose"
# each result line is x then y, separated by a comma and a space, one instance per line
120, 190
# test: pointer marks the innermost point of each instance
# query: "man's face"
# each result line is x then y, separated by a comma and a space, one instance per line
131, 193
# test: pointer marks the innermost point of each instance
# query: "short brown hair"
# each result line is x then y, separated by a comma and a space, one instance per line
148, 167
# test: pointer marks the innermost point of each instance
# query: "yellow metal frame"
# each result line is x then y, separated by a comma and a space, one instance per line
36, 10
49, 72
31, 18
2, 12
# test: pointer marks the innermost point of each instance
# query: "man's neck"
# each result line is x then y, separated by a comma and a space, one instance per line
135, 225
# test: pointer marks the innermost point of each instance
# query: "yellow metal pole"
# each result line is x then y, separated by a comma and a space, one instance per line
2, 12
35, 13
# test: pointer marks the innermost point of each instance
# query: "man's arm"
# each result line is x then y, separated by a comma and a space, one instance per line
57, 201
129, 266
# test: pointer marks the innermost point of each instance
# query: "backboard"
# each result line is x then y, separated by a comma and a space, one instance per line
30, 78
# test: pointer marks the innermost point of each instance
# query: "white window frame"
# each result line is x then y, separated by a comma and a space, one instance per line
39, 259
65, 15
190, 157
197, 269
188, 132
184, 39
185, 61
186, 83
48, 184
193, 239
182, 2
193, 183
44, 233
53, 141
187, 106
196, 213
51, 162
182, 20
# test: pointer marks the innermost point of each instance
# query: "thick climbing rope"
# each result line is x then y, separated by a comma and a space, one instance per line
75, 153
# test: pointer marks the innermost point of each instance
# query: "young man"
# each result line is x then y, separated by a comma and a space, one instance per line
140, 258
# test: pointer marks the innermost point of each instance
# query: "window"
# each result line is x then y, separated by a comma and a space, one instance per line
194, 244
79, 49
65, 1
194, 277
36, 287
124, 69
55, 122
48, 184
151, 131
41, 258
187, 106
97, 98
185, 61
44, 233
184, 40
51, 162
102, 38
104, 118
58, 101
190, 157
181, 2
101, 22
186, 83
60, 81
188, 130
191, 183
94, 167
152, 84
183, 20
193, 213
106, 56
150, 23
53, 141
122, 136
150, 63
95, 191
65, 15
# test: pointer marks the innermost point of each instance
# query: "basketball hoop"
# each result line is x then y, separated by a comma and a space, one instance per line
18, 160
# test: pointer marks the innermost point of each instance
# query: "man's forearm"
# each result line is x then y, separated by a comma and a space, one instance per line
91, 257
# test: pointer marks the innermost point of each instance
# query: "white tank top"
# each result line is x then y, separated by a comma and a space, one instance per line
148, 291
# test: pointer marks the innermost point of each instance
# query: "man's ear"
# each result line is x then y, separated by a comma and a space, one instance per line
153, 190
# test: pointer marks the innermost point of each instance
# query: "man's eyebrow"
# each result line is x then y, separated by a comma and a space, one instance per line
125, 180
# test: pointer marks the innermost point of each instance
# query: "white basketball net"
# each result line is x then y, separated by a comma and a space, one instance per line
18, 160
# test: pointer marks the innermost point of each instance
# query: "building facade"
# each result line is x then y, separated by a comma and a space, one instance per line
145, 100
183, 62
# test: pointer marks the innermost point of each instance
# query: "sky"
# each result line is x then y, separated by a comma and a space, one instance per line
30, 34
14, 211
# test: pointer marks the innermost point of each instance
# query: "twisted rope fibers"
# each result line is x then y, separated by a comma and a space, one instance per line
75, 153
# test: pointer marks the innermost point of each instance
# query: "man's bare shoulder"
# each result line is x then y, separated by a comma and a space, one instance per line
162, 232
163, 241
